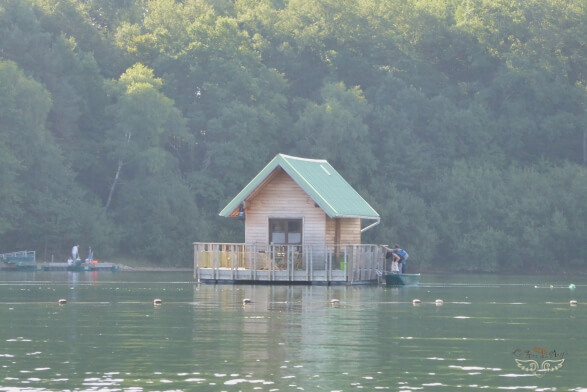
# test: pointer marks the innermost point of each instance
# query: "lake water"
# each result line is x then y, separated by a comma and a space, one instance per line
111, 337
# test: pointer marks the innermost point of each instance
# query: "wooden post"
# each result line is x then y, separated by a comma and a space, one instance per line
233, 260
311, 266
329, 266
346, 265
196, 263
216, 258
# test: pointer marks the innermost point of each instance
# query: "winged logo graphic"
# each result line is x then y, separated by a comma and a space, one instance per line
532, 366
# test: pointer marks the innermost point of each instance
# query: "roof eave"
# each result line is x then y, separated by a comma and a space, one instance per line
358, 216
234, 204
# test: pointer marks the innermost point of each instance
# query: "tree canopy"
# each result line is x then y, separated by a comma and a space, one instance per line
128, 125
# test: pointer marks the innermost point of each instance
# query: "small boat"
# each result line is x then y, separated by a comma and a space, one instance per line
78, 267
395, 279
89, 264
81, 267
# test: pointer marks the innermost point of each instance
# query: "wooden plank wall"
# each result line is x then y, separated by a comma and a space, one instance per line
283, 198
349, 231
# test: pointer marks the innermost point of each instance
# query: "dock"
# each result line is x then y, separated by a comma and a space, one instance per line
78, 268
25, 260
287, 264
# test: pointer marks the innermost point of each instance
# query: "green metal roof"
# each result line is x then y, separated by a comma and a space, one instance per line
319, 180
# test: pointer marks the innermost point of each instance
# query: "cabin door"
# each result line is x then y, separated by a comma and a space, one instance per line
285, 237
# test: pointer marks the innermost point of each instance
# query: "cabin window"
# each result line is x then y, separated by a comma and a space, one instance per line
285, 231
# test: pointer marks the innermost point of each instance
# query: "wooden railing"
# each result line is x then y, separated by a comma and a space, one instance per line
261, 262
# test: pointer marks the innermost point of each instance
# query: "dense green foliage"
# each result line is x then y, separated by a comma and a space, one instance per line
127, 125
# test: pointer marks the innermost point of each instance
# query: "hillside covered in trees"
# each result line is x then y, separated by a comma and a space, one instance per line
128, 124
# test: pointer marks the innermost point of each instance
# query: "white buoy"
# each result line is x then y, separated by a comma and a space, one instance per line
573, 302
416, 301
157, 301
62, 301
571, 287
439, 302
247, 301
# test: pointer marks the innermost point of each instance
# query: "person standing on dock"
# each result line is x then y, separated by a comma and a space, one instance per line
403, 257
90, 256
75, 252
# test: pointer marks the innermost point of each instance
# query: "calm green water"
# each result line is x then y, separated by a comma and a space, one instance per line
111, 337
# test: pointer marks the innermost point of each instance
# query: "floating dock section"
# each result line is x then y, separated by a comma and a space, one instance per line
24, 260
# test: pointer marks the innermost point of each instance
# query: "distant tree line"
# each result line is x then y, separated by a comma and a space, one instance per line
128, 125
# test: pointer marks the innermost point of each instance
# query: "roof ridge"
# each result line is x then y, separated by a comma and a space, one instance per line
285, 156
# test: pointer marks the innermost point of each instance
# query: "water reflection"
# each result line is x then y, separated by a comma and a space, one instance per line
110, 336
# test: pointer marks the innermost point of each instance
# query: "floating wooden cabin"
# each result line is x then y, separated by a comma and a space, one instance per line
303, 224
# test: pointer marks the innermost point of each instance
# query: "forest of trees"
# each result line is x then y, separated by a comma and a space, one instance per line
129, 124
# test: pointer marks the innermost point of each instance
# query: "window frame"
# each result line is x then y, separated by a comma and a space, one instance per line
286, 222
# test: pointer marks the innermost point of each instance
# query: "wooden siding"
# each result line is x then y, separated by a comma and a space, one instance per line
349, 231
283, 198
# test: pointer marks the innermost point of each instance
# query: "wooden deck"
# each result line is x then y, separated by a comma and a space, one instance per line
287, 264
